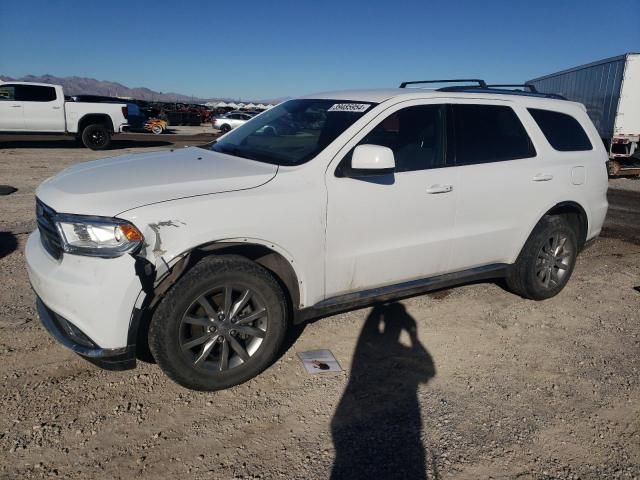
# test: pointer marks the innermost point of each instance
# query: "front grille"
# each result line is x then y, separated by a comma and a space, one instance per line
48, 232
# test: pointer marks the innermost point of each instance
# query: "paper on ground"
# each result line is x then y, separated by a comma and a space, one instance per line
319, 361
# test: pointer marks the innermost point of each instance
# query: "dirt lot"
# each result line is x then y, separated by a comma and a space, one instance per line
493, 386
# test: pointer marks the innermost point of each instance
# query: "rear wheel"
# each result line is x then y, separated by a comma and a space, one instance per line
223, 323
546, 261
96, 137
157, 129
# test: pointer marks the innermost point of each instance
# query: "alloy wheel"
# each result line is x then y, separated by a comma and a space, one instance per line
98, 138
223, 328
554, 260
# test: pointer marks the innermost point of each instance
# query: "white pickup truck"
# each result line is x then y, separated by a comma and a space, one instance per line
41, 108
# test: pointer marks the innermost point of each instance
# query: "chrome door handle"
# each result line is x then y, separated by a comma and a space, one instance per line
542, 177
439, 189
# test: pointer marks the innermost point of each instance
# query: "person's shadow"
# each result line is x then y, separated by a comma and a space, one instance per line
377, 426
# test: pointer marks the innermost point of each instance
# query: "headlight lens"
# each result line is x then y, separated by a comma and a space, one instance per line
97, 236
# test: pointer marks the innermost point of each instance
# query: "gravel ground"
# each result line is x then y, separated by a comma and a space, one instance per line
625, 183
466, 383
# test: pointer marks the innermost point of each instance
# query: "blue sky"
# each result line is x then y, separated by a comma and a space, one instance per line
262, 50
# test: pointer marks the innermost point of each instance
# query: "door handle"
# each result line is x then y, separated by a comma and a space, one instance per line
439, 188
542, 177
56, 108
16, 106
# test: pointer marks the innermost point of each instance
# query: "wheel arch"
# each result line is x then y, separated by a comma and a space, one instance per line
576, 215
95, 118
265, 255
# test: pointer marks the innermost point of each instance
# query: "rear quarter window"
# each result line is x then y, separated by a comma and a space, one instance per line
563, 132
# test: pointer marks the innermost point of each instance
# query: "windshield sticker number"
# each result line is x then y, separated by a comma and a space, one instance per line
349, 107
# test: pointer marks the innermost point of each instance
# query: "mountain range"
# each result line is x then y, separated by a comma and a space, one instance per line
91, 86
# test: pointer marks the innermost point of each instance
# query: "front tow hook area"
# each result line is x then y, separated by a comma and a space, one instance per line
70, 336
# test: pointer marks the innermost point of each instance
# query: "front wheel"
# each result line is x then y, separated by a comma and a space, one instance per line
546, 261
223, 323
96, 137
225, 128
157, 129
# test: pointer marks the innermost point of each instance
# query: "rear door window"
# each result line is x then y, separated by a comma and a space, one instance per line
35, 93
488, 133
563, 132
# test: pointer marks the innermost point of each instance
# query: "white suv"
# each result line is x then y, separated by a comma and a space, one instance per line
322, 204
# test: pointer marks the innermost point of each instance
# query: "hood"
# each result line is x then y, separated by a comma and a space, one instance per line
110, 186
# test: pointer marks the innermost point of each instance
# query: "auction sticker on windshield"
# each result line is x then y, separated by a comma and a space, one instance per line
349, 107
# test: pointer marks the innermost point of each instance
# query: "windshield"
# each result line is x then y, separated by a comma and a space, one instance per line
293, 132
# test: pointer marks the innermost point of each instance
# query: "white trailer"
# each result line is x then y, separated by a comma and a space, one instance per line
610, 90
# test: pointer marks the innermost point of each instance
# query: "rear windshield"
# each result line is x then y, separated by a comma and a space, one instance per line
293, 132
563, 132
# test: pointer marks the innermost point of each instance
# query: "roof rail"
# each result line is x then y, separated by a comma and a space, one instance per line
531, 88
481, 83
501, 91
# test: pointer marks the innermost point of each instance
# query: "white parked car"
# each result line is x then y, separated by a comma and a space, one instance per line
231, 120
27, 107
209, 254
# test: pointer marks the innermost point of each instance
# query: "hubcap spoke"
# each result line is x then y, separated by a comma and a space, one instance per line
239, 349
224, 355
252, 316
195, 342
200, 321
561, 243
249, 330
240, 304
206, 350
206, 304
227, 301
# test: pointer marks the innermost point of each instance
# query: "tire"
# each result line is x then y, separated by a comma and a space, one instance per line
189, 335
96, 137
156, 129
225, 128
546, 261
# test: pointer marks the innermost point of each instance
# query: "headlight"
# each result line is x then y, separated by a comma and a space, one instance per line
97, 236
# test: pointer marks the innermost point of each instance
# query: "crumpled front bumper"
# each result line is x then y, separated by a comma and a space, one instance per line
73, 338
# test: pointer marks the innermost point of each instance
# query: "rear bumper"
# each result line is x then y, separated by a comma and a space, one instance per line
74, 339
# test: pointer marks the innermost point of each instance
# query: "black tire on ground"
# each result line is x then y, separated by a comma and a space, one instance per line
170, 332
96, 137
546, 261
225, 128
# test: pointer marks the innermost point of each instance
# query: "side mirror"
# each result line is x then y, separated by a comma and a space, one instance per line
370, 160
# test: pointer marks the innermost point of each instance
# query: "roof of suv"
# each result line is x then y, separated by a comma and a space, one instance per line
381, 95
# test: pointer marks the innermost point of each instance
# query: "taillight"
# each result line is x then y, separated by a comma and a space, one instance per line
125, 112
